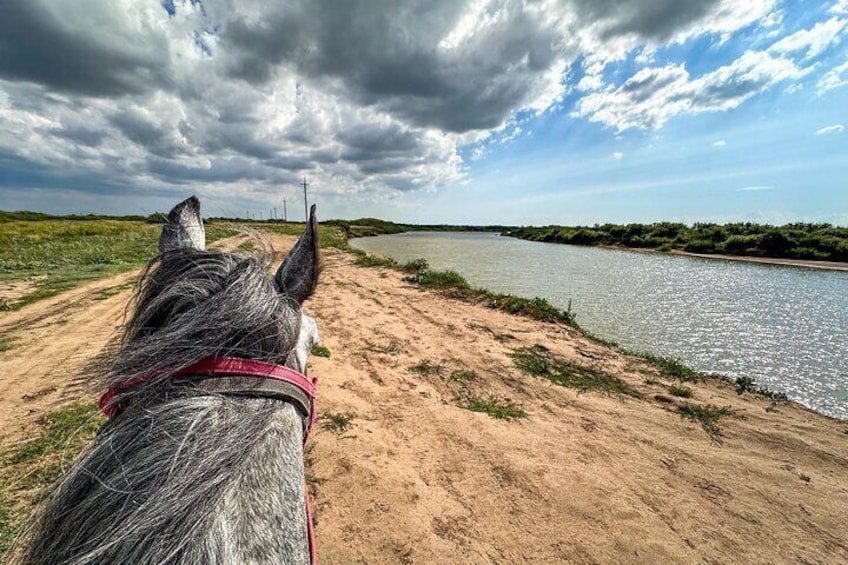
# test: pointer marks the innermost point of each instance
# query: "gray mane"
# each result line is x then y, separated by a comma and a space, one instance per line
183, 476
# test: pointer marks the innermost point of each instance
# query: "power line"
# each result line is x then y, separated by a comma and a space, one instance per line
305, 203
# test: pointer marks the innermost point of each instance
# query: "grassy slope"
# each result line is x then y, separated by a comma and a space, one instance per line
54, 255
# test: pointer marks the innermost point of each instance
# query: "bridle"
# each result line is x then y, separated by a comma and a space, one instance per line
234, 376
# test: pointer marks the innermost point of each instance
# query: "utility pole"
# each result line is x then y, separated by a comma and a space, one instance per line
274, 215
305, 203
285, 214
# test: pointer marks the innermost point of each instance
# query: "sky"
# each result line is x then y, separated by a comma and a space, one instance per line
429, 111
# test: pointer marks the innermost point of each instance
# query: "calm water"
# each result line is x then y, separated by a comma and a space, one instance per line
786, 327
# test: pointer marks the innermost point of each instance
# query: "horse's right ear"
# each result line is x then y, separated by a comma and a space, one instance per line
183, 228
298, 275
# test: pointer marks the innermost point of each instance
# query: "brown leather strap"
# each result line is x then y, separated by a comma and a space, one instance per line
240, 385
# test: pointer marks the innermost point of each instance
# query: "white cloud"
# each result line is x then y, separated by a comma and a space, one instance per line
720, 143
812, 41
652, 96
836, 128
617, 155
238, 100
754, 188
841, 7
834, 78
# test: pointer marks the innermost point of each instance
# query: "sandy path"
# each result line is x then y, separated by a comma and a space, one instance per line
584, 479
54, 340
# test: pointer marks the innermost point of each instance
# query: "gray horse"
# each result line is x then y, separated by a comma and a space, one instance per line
184, 474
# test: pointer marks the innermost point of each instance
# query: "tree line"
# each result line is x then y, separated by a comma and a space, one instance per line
824, 242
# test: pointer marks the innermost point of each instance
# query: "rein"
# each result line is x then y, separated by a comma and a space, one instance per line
237, 377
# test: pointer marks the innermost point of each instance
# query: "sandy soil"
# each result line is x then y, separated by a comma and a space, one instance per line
585, 478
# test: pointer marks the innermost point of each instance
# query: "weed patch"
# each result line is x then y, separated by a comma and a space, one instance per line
338, 422
747, 384
392, 348
321, 351
462, 377
495, 407
415, 266
681, 391
375, 261
708, 415
426, 368
671, 368
6, 343
439, 280
538, 361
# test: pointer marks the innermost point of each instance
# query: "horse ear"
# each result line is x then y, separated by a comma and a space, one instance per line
298, 275
183, 228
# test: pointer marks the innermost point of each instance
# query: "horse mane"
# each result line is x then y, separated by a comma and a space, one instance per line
182, 476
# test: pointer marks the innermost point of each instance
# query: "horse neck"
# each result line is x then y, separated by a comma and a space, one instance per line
206, 479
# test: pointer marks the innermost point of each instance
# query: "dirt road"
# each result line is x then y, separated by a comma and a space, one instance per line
417, 478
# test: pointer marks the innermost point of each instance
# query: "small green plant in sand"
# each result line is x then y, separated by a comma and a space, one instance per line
415, 266
375, 261
747, 384
338, 422
426, 368
671, 368
681, 391
392, 348
462, 376
6, 343
246, 247
498, 408
708, 415
440, 280
538, 361
320, 351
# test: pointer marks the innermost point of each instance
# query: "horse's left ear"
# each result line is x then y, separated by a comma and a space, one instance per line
298, 275
183, 228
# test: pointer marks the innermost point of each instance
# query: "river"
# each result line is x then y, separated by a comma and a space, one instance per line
786, 327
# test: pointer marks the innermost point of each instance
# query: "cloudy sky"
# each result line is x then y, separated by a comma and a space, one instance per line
482, 111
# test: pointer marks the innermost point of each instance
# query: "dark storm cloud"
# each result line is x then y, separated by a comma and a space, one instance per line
388, 55
359, 95
35, 47
657, 20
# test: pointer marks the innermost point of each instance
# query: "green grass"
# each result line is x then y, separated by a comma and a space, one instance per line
320, 351
58, 428
439, 280
495, 407
329, 236
462, 376
29, 469
538, 361
454, 285
681, 391
374, 261
6, 343
671, 368
246, 247
338, 422
392, 348
535, 308
747, 384
708, 415
415, 266
427, 368
56, 255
